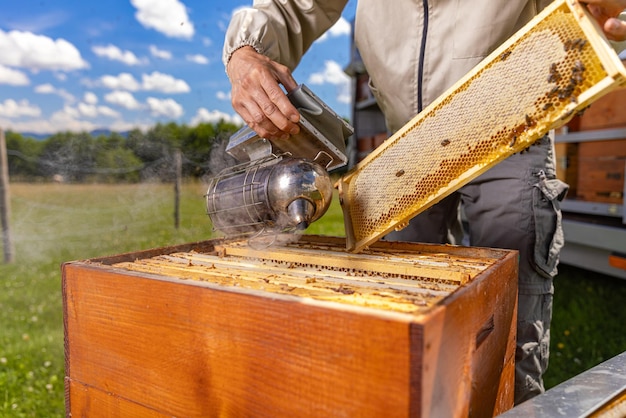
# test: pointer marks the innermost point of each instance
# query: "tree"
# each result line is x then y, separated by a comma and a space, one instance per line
23, 154
118, 164
68, 154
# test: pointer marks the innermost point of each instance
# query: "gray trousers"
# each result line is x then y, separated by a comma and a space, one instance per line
514, 205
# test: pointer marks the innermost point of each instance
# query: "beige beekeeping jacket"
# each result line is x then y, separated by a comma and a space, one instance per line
413, 49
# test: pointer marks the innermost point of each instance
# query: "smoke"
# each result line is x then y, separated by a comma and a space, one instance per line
219, 159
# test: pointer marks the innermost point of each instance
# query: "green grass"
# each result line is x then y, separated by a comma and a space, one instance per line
52, 224
587, 322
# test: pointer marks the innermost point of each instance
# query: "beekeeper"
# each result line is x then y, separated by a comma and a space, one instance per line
413, 52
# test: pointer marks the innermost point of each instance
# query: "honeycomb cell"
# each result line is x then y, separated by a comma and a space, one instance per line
512, 99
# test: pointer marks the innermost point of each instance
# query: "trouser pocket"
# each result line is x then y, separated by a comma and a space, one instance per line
547, 195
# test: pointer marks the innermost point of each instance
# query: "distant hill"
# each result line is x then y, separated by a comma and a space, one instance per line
39, 137
94, 133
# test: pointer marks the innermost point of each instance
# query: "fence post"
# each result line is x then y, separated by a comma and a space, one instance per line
178, 169
5, 201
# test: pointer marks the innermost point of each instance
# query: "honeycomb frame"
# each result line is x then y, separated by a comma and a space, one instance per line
554, 67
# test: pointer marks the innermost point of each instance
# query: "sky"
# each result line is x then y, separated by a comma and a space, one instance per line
76, 65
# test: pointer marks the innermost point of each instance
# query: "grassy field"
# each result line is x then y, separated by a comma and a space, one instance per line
54, 223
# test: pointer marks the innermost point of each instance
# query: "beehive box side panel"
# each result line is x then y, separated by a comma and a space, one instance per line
189, 350
471, 346
601, 171
606, 113
89, 402
494, 311
201, 246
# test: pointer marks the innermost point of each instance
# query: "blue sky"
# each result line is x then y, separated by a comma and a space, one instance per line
119, 64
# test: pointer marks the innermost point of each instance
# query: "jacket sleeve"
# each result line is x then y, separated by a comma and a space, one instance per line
283, 30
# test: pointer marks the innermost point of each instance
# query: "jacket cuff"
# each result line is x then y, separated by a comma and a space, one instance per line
228, 51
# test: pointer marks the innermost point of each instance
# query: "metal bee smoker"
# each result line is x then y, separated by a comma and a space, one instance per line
280, 185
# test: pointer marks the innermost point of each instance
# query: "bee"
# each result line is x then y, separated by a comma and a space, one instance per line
574, 44
567, 91
548, 106
554, 74
445, 142
399, 173
553, 92
567, 45
505, 55
567, 115
529, 121
578, 66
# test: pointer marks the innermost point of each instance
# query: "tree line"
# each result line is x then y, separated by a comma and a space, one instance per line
133, 157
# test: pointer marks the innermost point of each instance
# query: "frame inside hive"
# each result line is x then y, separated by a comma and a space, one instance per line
388, 276
556, 65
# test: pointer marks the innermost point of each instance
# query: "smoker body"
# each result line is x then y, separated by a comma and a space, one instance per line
281, 184
220, 328
271, 195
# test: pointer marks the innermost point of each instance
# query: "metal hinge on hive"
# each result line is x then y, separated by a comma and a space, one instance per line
563, 63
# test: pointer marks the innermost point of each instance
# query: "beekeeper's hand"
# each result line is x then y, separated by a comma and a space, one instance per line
257, 95
606, 13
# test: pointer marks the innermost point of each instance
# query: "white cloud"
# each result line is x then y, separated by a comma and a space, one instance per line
164, 83
222, 95
59, 121
38, 22
115, 54
341, 28
122, 126
68, 119
205, 116
123, 81
90, 98
155, 81
50, 89
69, 112
123, 99
207, 41
344, 96
12, 109
164, 107
38, 52
13, 77
197, 58
107, 111
160, 53
166, 16
45, 88
92, 111
332, 73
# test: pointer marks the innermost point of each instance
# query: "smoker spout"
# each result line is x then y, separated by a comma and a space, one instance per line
300, 213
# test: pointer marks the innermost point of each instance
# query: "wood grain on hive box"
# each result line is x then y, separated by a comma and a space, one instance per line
302, 329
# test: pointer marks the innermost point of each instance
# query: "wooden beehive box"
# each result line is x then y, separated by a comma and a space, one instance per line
601, 171
301, 329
